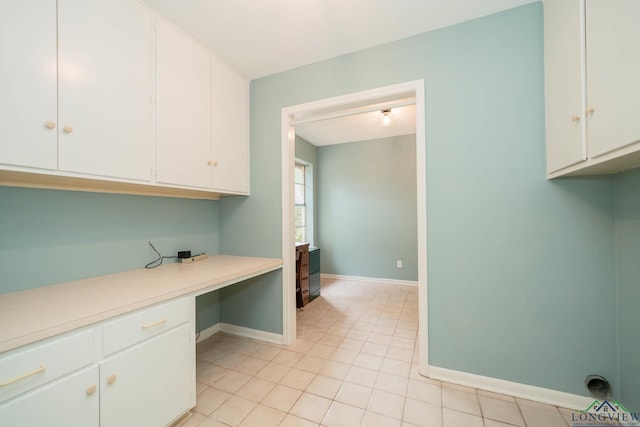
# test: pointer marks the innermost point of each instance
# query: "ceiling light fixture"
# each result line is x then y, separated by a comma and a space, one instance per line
386, 118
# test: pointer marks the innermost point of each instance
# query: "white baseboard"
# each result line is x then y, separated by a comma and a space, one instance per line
523, 391
208, 332
369, 279
240, 331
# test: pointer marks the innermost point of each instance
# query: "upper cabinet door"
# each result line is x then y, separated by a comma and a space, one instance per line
184, 109
564, 82
613, 73
28, 113
105, 88
230, 116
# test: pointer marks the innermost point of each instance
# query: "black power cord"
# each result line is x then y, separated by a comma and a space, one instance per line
157, 262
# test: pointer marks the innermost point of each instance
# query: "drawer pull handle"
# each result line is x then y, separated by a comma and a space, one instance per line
91, 389
111, 379
21, 377
151, 325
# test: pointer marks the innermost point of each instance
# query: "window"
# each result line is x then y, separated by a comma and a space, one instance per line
301, 202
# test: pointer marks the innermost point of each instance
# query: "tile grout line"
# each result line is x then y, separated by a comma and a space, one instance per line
346, 324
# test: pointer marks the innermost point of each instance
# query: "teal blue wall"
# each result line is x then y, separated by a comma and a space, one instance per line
245, 304
309, 153
367, 208
50, 236
520, 269
628, 257
207, 310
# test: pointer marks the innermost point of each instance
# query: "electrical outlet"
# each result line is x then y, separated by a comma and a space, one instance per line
399, 263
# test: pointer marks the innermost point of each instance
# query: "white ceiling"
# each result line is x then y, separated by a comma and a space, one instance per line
262, 37
359, 127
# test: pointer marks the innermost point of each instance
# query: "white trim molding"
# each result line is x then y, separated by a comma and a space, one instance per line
240, 331
523, 391
369, 279
288, 118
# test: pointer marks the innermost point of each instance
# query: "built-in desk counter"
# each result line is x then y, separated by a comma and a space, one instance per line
110, 351
36, 314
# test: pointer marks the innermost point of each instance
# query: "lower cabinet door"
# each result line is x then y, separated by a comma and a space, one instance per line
72, 401
147, 385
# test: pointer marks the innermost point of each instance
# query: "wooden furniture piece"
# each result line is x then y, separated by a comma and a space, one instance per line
299, 302
302, 271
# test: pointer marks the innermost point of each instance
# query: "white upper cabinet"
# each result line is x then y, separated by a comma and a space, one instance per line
564, 84
105, 88
613, 74
592, 60
111, 92
184, 109
230, 129
76, 87
28, 83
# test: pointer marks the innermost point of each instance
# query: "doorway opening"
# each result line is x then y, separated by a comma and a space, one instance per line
409, 93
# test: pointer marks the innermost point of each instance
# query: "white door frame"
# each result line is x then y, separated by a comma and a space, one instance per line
288, 226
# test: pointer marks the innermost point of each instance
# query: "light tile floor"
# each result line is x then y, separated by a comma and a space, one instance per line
354, 364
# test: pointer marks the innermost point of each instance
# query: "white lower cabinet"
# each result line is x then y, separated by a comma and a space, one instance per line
51, 383
147, 385
147, 374
136, 370
71, 401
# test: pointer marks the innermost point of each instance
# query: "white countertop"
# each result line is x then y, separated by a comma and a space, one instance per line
35, 314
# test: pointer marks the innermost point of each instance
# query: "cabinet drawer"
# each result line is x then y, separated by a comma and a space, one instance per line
146, 323
305, 260
304, 288
28, 367
304, 284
